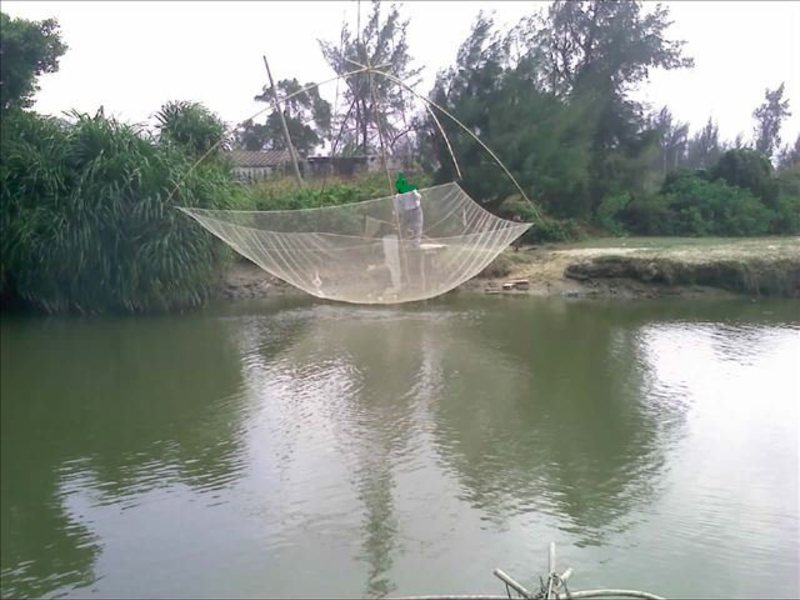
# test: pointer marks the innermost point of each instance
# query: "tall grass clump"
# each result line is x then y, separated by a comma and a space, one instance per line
88, 222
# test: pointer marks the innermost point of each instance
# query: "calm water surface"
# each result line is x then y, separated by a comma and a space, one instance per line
297, 449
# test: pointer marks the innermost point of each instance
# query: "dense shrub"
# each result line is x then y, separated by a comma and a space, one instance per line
609, 212
748, 169
282, 193
648, 215
548, 229
787, 216
192, 127
788, 209
88, 221
544, 228
690, 205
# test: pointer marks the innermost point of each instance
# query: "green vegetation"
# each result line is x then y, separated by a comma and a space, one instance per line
87, 203
307, 115
29, 49
87, 209
281, 193
192, 128
553, 97
754, 277
691, 205
88, 222
739, 196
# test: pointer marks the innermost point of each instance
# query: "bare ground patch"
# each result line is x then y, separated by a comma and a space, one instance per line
613, 267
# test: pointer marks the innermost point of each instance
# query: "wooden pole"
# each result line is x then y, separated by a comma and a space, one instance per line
285, 128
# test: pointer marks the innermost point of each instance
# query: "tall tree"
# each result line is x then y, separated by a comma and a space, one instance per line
769, 117
594, 53
789, 156
583, 43
191, 126
704, 148
468, 90
307, 114
538, 136
27, 50
376, 105
672, 137
249, 135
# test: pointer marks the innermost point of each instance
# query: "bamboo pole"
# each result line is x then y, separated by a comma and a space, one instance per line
365, 69
219, 142
580, 594
398, 221
402, 83
615, 594
513, 583
285, 128
380, 132
446, 140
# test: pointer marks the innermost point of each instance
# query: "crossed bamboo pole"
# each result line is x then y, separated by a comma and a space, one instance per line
555, 588
429, 104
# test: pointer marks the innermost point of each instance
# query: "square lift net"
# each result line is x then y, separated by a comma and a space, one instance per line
371, 252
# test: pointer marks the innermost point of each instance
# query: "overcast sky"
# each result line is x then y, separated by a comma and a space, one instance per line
131, 57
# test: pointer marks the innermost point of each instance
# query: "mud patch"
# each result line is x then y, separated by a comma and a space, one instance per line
623, 268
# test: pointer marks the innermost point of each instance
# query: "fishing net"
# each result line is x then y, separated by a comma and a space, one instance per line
389, 250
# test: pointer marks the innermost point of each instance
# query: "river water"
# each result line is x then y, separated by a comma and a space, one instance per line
302, 449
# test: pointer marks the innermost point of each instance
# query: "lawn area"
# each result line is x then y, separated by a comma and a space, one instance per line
789, 244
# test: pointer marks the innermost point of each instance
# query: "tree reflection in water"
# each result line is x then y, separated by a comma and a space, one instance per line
526, 427
344, 444
112, 408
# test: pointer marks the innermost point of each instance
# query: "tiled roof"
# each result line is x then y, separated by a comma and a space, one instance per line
260, 158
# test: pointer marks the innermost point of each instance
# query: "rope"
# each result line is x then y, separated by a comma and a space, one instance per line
341, 129
369, 70
460, 124
446, 140
216, 145
403, 258
380, 131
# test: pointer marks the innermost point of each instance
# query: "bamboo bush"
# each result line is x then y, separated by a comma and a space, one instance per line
88, 221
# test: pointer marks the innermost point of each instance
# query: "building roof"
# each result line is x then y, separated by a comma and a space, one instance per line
350, 157
259, 158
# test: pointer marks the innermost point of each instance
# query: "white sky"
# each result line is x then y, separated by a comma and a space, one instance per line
131, 57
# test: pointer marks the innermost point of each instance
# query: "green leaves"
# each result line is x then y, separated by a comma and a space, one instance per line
748, 169
769, 118
307, 114
192, 127
689, 204
375, 102
88, 222
29, 49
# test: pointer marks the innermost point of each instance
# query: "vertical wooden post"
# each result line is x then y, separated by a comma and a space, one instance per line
292, 153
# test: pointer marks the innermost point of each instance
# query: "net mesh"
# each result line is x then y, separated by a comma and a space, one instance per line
389, 250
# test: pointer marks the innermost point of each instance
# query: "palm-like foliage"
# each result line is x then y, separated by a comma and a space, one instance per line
191, 126
88, 220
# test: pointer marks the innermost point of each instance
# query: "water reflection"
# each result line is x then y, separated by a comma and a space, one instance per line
328, 450
353, 383
121, 406
545, 415
527, 427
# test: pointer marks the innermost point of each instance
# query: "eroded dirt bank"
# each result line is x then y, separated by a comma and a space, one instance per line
614, 267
